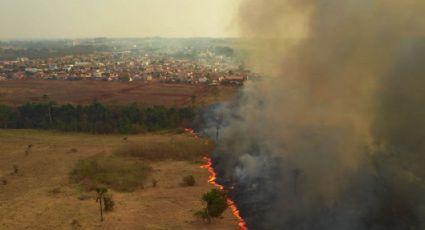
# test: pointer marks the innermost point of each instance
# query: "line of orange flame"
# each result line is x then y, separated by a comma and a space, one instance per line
213, 180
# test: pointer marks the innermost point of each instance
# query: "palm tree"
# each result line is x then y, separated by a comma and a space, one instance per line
100, 195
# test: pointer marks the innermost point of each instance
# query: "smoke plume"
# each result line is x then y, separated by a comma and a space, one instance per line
333, 135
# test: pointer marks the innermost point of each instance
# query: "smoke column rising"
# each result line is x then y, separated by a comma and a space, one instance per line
333, 136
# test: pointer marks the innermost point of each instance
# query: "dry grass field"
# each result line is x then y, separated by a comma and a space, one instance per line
42, 196
16, 92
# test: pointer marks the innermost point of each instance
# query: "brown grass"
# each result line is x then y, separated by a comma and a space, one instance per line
41, 196
176, 147
110, 171
16, 92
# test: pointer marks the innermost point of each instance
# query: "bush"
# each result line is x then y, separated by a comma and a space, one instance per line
54, 191
108, 203
154, 182
216, 204
73, 150
188, 181
75, 224
111, 171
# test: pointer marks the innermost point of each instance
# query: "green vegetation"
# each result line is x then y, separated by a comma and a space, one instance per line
114, 172
216, 204
94, 118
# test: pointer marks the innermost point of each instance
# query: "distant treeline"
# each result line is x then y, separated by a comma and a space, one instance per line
94, 118
43, 52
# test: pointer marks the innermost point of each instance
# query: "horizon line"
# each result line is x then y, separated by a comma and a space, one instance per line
105, 37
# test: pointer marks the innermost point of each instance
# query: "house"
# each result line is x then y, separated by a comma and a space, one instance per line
32, 70
19, 75
203, 80
237, 80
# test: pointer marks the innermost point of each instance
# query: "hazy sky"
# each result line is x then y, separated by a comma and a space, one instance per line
116, 18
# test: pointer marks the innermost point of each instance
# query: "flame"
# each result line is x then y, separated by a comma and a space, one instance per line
191, 132
213, 180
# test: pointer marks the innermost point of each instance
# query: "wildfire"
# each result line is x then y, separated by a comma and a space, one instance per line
191, 132
213, 180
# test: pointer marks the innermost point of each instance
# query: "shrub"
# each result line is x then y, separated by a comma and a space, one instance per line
188, 181
154, 183
15, 170
111, 171
54, 191
75, 224
108, 203
216, 204
73, 150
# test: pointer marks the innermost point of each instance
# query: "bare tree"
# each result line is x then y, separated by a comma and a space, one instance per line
100, 195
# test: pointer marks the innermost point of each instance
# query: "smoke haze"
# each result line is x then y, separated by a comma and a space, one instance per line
52, 19
333, 136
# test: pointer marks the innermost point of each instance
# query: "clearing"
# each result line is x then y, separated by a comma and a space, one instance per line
42, 196
16, 92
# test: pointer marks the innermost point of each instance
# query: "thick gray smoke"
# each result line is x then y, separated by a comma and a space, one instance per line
333, 136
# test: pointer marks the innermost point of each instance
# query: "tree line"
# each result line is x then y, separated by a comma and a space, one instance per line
94, 118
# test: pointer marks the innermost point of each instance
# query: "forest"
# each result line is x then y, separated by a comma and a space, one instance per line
94, 118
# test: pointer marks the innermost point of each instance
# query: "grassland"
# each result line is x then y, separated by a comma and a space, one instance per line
177, 147
114, 172
43, 196
16, 92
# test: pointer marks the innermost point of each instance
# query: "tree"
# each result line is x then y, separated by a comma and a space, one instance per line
50, 105
216, 202
94, 118
100, 196
7, 116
